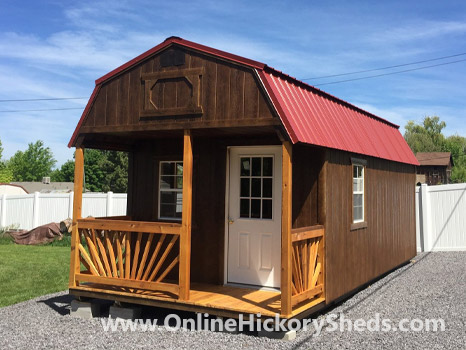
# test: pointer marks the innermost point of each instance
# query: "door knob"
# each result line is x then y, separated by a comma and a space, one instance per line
230, 220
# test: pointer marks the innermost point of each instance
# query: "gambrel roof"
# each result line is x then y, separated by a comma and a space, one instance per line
308, 114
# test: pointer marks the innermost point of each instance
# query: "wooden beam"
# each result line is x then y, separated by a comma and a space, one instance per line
307, 295
234, 123
185, 237
322, 210
131, 226
120, 282
309, 232
77, 205
286, 256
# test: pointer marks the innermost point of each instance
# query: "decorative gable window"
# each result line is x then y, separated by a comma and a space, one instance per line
170, 190
358, 190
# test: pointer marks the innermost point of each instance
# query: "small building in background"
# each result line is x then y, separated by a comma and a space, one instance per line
12, 189
46, 186
435, 168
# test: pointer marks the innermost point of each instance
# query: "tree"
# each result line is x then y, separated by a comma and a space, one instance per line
33, 164
457, 146
104, 171
1, 153
427, 137
117, 172
65, 173
6, 175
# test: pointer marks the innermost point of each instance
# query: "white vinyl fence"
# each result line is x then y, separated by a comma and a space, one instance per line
441, 217
31, 210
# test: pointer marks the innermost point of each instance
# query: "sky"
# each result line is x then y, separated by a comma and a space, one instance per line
58, 48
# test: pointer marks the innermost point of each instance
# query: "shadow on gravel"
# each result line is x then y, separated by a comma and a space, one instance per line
409, 265
60, 304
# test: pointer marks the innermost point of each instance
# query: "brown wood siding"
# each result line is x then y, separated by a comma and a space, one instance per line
354, 257
307, 163
228, 93
209, 176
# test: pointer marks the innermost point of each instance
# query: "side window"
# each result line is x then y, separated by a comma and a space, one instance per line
170, 190
358, 193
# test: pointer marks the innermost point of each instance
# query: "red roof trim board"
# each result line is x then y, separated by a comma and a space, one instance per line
186, 43
308, 114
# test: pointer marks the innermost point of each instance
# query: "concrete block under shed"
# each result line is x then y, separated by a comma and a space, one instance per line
125, 312
289, 335
85, 309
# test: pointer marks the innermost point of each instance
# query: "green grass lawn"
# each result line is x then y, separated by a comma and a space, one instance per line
30, 271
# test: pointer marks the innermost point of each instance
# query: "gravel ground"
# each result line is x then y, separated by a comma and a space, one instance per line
433, 286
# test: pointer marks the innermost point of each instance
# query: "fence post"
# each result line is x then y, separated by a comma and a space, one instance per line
70, 205
3, 211
35, 210
109, 203
425, 219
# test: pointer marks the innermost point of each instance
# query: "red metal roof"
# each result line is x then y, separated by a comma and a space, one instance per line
315, 117
308, 114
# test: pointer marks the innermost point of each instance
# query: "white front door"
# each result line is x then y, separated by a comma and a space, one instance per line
254, 215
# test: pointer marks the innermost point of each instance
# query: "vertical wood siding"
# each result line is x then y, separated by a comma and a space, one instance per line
354, 257
228, 92
209, 177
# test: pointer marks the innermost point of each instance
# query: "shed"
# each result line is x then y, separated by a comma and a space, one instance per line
249, 191
434, 167
12, 189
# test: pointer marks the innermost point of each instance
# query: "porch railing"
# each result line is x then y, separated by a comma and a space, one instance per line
130, 254
307, 263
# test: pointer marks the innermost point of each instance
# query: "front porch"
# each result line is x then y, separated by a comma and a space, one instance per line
149, 262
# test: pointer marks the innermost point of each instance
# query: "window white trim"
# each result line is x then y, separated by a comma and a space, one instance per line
360, 176
160, 190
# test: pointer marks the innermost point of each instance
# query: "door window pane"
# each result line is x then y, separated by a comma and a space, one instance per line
255, 187
267, 188
267, 166
245, 166
244, 187
255, 208
244, 208
266, 209
256, 166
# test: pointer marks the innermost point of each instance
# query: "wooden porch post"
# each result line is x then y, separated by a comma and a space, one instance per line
77, 205
285, 283
185, 237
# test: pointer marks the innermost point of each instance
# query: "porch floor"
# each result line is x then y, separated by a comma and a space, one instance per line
226, 301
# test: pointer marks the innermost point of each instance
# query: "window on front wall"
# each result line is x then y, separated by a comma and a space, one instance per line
358, 193
170, 190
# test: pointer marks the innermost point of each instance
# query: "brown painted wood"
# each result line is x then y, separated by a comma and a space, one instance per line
286, 248
227, 93
307, 164
185, 237
77, 208
355, 257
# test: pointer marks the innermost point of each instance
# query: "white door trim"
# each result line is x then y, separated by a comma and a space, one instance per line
227, 204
